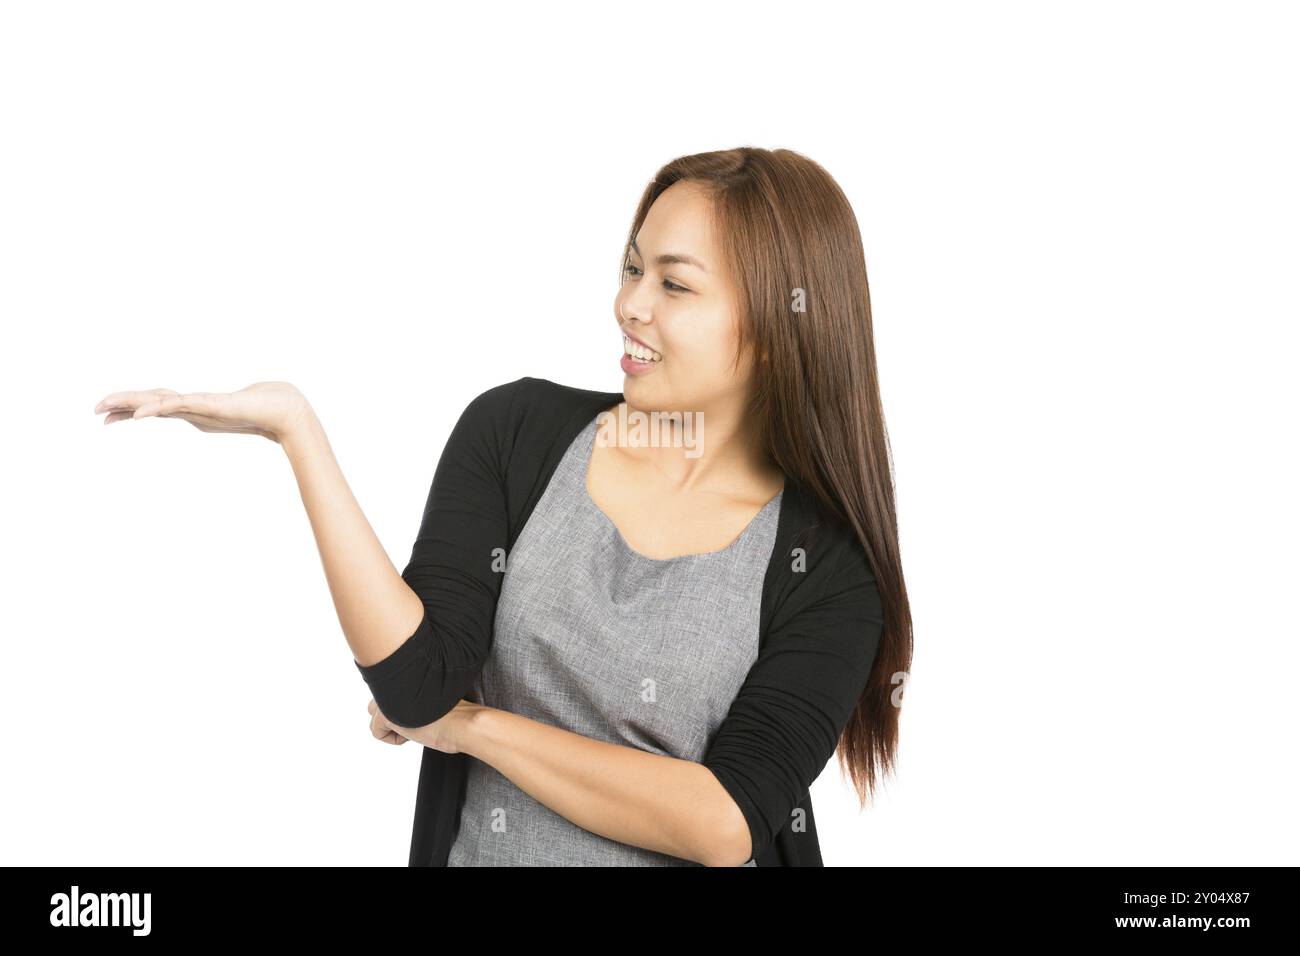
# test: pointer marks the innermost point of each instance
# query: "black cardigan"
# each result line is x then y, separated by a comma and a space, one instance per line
820, 623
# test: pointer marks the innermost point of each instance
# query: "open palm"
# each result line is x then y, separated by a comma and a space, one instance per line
268, 409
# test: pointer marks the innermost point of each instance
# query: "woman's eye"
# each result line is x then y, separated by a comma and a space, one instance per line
629, 270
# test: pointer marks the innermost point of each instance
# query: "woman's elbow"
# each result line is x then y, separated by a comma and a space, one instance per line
726, 840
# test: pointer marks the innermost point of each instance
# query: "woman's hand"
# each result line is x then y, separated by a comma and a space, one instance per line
445, 734
269, 409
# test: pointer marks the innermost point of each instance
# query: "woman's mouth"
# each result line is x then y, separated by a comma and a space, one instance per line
637, 358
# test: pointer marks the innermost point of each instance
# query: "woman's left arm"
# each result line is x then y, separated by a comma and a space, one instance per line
648, 800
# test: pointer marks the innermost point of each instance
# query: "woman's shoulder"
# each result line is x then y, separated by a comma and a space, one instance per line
538, 401
520, 428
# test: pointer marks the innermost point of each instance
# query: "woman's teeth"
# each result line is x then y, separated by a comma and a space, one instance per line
640, 352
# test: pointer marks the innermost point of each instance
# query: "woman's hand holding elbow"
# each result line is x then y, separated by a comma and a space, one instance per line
447, 734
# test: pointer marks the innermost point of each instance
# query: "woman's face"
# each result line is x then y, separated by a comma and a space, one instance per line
676, 299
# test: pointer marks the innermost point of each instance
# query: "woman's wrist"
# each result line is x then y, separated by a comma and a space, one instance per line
471, 727
305, 434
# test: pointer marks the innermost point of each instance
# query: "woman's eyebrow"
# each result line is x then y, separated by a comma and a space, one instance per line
673, 258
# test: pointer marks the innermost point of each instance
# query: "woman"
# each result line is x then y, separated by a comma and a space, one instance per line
630, 645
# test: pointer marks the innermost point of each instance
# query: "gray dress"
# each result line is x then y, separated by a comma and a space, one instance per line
596, 638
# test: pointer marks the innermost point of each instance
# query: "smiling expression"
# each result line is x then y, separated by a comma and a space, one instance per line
678, 307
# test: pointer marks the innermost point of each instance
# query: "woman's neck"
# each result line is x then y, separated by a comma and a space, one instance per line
708, 450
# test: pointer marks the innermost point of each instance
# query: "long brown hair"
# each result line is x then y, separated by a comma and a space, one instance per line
791, 239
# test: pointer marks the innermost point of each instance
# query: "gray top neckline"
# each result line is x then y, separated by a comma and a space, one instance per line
589, 442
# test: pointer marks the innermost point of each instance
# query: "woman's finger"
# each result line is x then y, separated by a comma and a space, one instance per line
381, 728
193, 403
131, 399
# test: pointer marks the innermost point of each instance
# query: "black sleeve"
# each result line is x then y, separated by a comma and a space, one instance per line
786, 720
454, 569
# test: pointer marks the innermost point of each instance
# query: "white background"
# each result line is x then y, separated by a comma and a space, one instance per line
1081, 233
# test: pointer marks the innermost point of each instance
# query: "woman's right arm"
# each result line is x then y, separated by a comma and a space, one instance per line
419, 639
376, 608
